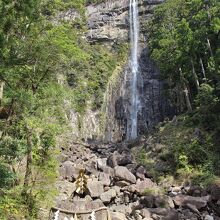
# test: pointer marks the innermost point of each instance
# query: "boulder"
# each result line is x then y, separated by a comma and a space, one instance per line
125, 158
159, 211
108, 170
104, 178
117, 189
209, 217
147, 201
106, 197
122, 208
69, 171
112, 159
196, 191
165, 214
140, 172
65, 187
95, 188
122, 159
214, 190
145, 213
171, 215
163, 201
122, 183
140, 186
91, 167
122, 173
197, 202
117, 216
101, 162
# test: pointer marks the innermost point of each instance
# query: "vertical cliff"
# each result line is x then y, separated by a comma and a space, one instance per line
117, 106
108, 25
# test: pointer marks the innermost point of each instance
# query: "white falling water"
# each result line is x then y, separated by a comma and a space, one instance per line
134, 36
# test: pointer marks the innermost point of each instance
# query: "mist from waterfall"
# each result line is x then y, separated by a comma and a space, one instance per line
134, 36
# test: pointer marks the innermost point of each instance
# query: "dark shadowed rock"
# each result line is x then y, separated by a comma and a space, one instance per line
112, 159
214, 190
163, 201
140, 172
147, 201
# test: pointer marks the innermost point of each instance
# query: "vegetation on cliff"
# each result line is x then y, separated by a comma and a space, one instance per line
184, 38
44, 63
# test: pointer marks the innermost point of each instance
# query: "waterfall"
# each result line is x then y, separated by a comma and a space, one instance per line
134, 36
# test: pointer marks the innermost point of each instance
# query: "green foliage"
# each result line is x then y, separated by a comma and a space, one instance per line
181, 35
90, 78
94, 1
206, 102
181, 151
184, 41
33, 53
192, 150
44, 64
6, 176
12, 206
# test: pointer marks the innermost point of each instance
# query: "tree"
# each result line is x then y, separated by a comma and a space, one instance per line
184, 36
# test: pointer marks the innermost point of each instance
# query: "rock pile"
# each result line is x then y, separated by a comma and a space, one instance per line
117, 182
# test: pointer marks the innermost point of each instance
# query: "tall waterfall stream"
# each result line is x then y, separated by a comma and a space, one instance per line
134, 37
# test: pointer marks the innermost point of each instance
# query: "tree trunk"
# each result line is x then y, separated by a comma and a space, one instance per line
2, 84
195, 75
186, 92
28, 173
209, 46
203, 69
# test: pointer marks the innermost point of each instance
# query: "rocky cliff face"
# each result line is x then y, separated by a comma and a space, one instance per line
108, 24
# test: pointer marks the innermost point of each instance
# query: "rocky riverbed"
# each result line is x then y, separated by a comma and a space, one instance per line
118, 188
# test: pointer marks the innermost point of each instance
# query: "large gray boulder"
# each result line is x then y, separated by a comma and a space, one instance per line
122, 159
106, 197
140, 186
122, 173
117, 216
165, 214
69, 171
65, 189
186, 201
95, 188
104, 178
